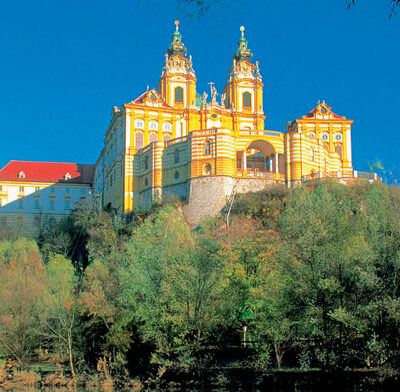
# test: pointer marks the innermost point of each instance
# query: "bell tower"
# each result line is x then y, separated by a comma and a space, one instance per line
244, 89
178, 80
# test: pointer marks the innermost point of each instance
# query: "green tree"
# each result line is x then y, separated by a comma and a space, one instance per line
172, 284
331, 265
22, 292
59, 318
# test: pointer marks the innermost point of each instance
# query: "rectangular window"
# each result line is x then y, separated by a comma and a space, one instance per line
52, 205
67, 190
37, 189
82, 191
21, 189
67, 205
37, 204
20, 203
3, 221
139, 140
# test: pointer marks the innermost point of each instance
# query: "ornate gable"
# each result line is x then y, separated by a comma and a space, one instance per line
150, 98
323, 112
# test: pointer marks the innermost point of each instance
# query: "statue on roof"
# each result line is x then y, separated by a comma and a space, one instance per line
223, 96
205, 96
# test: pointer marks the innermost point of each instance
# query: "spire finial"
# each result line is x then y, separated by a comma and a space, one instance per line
242, 30
177, 24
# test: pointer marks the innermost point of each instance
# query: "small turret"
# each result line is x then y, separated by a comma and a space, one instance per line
178, 80
243, 90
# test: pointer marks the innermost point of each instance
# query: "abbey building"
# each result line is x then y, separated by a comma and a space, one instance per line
199, 147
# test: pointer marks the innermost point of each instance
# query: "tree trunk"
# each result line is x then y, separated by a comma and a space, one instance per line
71, 363
278, 353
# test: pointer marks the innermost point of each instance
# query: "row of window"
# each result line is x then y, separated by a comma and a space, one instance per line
19, 220
21, 189
153, 125
36, 205
139, 141
325, 136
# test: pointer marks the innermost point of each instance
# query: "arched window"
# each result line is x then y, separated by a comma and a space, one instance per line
167, 138
179, 94
207, 148
139, 140
247, 100
176, 156
153, 138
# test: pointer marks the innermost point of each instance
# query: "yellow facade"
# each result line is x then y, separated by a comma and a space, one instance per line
164, 139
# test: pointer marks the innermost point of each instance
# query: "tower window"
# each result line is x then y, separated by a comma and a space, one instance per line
179, 94
246, 100
139, 140
207, 148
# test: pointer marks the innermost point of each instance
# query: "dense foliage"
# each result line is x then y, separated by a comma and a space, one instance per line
312, 276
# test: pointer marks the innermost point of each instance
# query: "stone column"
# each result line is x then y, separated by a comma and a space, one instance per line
276, 163
244, 160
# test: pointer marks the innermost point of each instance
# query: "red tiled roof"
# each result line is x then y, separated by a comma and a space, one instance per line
47, 172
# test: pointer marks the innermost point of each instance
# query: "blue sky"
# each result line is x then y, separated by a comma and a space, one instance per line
65, 64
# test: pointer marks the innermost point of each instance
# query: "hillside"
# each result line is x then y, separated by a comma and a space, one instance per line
308, 278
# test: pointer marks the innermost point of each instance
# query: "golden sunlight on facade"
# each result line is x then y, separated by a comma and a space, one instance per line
202, 148
175, 141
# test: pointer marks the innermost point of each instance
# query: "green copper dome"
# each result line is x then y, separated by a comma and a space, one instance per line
243, 52
177, 46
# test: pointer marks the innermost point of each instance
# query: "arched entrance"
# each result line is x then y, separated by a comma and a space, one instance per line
259, 159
